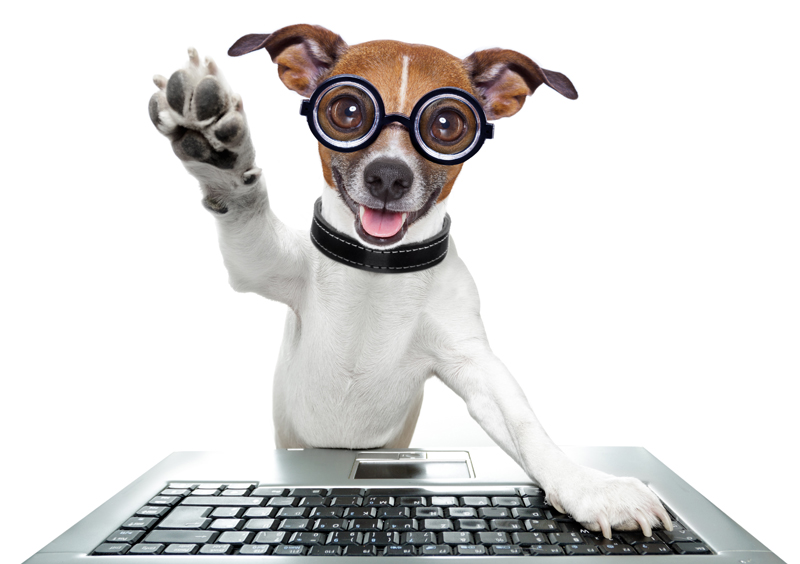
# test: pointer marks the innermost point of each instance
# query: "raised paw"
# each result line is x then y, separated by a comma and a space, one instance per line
204, 120
601, 502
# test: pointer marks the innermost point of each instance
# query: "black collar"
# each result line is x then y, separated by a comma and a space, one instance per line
405, 258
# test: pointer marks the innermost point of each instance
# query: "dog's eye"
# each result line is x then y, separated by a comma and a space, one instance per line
345, 113
447, 126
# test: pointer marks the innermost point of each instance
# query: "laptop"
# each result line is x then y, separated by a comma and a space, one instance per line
406, 504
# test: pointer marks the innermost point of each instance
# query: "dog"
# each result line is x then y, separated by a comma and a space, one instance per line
378, 298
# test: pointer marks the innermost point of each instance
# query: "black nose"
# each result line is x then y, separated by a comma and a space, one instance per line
388, 179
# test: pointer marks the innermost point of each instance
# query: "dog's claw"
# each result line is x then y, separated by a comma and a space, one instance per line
211, 65
160, 81
251, 175
605, 526
642, 520
194, 58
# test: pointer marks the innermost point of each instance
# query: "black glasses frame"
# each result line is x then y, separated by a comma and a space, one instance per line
309, 109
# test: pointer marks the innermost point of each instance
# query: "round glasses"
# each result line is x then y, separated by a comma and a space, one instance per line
446, 126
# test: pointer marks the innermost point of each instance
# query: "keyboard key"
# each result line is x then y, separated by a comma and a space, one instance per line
471, 525
295, 525
418, 538
437, 524
152, 511
475, 501
461, 512
428, 512
139, 523
224, 512
470, 550
353, 550
215, 549
393, 513
378, 501
366, 525
271, 537
360, 513
314, 501
344, 538
181, 537
165, 500
493, 537
530, 491
202, 492
186, 517
544, 526
652, 548
435, 550
175, 491
307, 538
292, 512
112, 548
457, 537
399, 550
256, 512
144, 548
234, 537
180, 549
326, 512
582, 549
347, 491
538, 502
616, 548
545, 550
527, 539
506, 502
261, 524
230, 492
182, 485
381, 538
507, 550
283, 501
411, 501
678, 535
691, 548
320, 550
444, 501
269, 492
219, 500
346, 501
565, 538
308, 492
226, 524
527, 513
494, 512
129, 536
331, 525
506, 525
254, 549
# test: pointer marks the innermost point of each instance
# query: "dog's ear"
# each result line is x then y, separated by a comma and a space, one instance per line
304, 53
504, 78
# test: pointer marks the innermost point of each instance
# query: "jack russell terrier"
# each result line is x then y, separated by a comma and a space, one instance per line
379, 300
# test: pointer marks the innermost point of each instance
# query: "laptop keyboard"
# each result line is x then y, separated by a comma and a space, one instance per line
249, 518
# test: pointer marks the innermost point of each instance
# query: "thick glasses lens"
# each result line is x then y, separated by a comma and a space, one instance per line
447, 127
345, 114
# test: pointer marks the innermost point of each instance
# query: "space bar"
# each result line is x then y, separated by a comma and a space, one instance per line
212, 501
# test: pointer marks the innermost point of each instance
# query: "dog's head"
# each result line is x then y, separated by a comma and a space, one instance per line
389, 191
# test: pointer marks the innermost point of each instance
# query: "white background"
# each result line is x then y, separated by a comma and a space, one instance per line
636, 250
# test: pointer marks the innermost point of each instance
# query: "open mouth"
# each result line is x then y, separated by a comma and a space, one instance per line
381, 224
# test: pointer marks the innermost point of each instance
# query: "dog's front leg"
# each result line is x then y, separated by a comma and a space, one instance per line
205, 121
597, 500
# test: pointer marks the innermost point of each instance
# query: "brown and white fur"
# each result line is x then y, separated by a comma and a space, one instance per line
359, 346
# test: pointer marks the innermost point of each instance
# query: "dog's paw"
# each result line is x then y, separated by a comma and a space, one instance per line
197, 111
601, 502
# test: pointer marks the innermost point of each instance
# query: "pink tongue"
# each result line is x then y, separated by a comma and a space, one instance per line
381, 223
